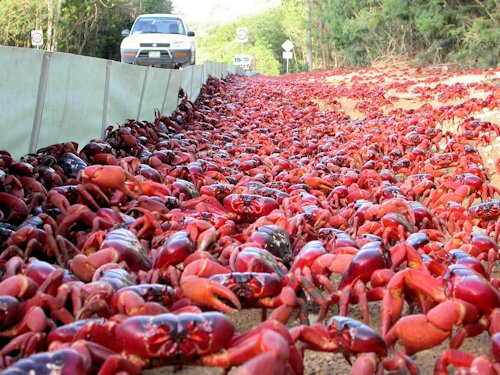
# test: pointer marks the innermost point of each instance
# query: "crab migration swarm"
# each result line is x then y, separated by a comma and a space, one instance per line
133, 252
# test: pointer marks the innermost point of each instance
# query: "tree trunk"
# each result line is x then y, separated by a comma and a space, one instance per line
50, 24
88, 26
56, 26
326, 60
308, 35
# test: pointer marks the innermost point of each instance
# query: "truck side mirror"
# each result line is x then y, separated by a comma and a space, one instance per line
190, 33
125, 32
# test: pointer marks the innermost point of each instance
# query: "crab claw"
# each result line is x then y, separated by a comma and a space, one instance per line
208, 292
112, 177
317, 183
419, 331
262, 363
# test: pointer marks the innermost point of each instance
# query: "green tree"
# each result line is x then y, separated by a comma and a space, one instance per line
344, 33
93, 27
155, 6
267, 32
480, 47
88, 27
359, 32
18, 18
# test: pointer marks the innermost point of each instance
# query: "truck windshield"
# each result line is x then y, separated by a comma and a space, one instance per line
159, 25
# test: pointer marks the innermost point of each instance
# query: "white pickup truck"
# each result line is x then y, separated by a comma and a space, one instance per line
161, 40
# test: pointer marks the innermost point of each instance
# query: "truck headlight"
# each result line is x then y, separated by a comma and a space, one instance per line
129, 44
181, 45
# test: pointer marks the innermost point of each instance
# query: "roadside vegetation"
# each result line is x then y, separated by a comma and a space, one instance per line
84, 27
338, 33
360, 33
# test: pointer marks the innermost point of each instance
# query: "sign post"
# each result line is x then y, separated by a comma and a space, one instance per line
242, 36
287, 55
37, 38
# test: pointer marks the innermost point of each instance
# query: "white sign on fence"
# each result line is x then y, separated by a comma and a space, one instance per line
37, 38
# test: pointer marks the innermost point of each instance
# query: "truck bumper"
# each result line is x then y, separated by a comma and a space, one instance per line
163, 58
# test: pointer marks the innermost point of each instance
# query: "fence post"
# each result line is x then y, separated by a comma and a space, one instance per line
144, 84
105, 100
40, 102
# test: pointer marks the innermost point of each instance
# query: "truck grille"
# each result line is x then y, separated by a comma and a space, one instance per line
155, 44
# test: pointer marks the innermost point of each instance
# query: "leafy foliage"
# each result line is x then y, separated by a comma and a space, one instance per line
360, 32
17, 21
155, 6
346, 33
89, 27
267, 32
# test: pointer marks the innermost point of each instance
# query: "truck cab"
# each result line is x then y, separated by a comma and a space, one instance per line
161, 40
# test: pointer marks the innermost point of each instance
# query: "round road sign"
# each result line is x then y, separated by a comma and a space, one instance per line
36, 37
242, 34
